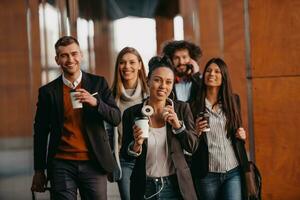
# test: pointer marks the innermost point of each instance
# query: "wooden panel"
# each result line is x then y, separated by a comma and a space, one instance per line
190, 14
164, 31
102, 42
276, 126
35, 53
275, 38
209, 19
275, 48
15, 77
234, 49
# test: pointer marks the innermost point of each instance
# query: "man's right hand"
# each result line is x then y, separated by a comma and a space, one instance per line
196, 67
39, 182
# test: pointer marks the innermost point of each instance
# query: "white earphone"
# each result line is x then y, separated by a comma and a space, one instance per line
147, 110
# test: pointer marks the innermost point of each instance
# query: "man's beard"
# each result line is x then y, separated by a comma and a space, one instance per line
182, 73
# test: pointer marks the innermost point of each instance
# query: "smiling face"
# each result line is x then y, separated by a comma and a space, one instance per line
69, 58
180, 60
213, 76
161, 83
129, 67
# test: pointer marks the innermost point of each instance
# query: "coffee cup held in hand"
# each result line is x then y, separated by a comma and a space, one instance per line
75, 102
205, 116
143, 123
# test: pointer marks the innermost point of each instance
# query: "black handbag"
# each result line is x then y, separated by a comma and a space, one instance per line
253, 182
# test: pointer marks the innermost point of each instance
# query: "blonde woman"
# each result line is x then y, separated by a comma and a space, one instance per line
129, 88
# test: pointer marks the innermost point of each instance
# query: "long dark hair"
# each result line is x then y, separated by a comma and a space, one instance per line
226, 98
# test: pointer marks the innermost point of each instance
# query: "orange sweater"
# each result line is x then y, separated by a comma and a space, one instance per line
73, 143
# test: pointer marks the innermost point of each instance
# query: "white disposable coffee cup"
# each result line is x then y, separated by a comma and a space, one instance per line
143, 123
75, 102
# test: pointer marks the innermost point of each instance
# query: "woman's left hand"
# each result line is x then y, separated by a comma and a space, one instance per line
170, 116
241, 133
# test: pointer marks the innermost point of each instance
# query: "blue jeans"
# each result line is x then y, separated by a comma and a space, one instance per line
220, 186
124, 183
165, 188
68, 176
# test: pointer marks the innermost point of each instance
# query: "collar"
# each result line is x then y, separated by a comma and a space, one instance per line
182, 79
209, 106
75, 83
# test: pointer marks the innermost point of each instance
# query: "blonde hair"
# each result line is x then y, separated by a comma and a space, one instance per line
117, 82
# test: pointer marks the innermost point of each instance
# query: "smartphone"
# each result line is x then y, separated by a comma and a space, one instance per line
189, 69
189, 66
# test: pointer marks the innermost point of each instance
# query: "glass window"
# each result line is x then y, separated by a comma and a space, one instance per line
139, 33
178, 28
49, 32
85, 35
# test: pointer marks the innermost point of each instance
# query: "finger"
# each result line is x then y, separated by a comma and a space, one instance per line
199, 119
137, 133
202, 124
81, 90
165, 114
169, 108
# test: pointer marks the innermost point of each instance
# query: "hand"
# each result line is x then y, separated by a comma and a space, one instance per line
241, 133
138, 139
39, 182
196, 67
170, 116
201, 124
86, 97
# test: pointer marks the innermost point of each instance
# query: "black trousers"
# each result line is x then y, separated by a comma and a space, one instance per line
70, 176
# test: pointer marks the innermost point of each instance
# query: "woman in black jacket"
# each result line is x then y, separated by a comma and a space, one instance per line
160, 171
217, 164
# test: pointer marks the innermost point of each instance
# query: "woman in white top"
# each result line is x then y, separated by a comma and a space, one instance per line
129, 88
160, 171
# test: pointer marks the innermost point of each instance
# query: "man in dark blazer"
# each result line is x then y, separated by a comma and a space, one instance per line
77, 153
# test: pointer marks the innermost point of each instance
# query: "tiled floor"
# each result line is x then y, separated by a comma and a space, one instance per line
16, 174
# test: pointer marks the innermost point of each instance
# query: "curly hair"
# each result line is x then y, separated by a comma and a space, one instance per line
171, 46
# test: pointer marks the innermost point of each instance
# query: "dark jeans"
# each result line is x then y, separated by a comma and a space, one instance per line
165, 188
220, 186
124, 183
68, 176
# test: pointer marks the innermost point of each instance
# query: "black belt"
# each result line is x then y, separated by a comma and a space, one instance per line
160, 179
